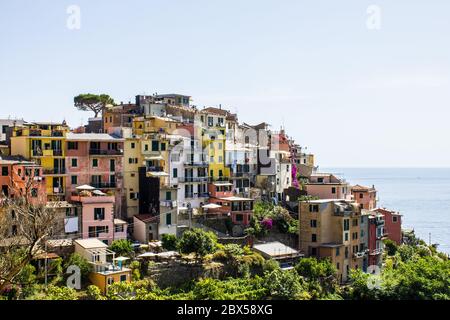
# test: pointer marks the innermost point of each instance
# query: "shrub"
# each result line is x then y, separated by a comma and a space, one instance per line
122, 247
198, 241
169, 241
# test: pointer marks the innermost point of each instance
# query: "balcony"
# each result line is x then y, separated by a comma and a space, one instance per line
50, 171
240, 174
155, 169
58, 191
103, 152
104, 185
35, 133
196, 164
37, 153
359, 255
57, 134
192, 179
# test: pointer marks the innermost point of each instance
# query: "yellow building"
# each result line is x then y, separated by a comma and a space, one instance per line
131, 163
331, 229
45, 144
213, 122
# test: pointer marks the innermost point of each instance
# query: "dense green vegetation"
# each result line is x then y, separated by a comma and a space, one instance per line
267, 216
412, 271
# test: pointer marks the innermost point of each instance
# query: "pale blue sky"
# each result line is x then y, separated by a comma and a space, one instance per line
354, 96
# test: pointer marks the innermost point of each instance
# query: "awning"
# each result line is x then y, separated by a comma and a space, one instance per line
98, 193
211, 206
85, 187
219, 184
119, 222
154, 158
157, 174
121, 259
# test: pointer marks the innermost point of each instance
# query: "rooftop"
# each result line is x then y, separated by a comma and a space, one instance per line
275, 249
92, 137
91, 243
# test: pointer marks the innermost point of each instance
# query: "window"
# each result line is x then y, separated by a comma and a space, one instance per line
110, 280
145, 147
155, 145
320, 180
220, 159
94, 163
346, 252
338, 251
220, 146
34, 192
74, 163
313, 223
346, 224
123, 278
355, 222
74, 179
355, 236
346, 236
361, 196
168, 195
72, 145
133, 195
133, 145
333, 190
313, 208
210, 121
239, 217
5, 171
175, 172
163, 146
313, 251
394, 219
168, 219
338, 266
313, 237
99, 213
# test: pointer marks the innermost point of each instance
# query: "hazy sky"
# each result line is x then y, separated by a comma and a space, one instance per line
355, 96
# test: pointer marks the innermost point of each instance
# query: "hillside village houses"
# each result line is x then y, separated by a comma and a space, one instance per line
161, 165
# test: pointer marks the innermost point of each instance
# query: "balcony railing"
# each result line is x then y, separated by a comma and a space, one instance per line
240, 174
54, 170
155, 169
196, 164
105, 152
104, 185
57, 134
192, 179
58, 190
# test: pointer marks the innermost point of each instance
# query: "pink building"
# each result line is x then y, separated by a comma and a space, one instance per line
393, 224
95, 159
97, 217
366, 197
327, 186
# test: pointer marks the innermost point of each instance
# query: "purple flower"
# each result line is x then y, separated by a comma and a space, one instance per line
267, 223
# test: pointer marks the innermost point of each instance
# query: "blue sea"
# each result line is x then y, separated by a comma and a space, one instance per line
422, 195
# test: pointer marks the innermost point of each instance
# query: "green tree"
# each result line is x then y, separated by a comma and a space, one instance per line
198, 241
391, 247
122, 247
57, 293
92, 102
286, 285
78, 260
169, 241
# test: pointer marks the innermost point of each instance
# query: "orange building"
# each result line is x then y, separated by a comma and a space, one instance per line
20, 178
366, 197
